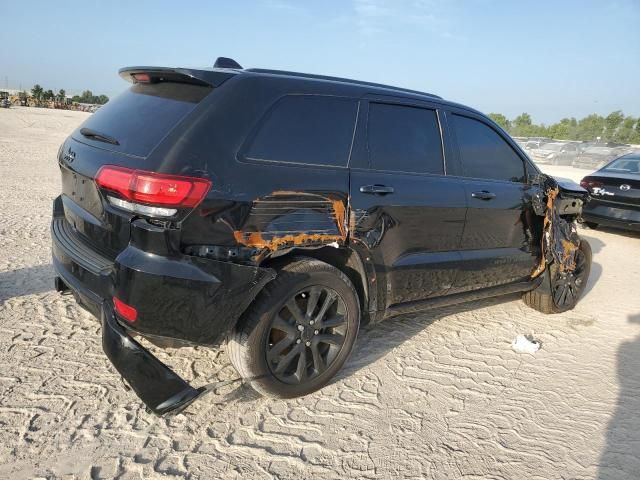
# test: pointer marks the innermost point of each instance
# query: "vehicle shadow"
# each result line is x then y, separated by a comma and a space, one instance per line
621, 455
619, 231
597, 246
25, 281
376, 340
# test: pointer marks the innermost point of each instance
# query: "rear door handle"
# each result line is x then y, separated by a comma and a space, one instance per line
376, 189
484, 195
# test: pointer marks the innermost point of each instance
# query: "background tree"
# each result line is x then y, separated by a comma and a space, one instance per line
62, 95
501, 120
523, 126
591, 127
88, 97
36, 92
615, 127
612, 123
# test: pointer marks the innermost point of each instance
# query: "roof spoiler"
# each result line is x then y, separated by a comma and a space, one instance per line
207, 78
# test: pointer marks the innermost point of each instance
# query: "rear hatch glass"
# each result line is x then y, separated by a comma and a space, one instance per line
138, 119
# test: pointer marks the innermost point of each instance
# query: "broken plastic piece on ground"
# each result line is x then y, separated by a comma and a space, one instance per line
525, 344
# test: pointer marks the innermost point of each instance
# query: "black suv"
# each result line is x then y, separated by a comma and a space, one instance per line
281, 210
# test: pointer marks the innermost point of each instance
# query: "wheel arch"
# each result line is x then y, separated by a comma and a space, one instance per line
345, 259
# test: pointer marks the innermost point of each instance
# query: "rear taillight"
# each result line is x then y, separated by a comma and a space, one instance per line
590, 184
151, 193
129, 313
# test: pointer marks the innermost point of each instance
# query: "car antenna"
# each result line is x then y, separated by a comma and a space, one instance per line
224, 62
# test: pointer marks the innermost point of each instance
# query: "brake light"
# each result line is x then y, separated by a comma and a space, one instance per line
129, 313
152, 189
590, 184
141, 77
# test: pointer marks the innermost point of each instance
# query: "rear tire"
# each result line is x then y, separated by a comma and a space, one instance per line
298, 332
554, 301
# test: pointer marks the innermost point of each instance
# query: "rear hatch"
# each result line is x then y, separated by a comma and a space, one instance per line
123, 135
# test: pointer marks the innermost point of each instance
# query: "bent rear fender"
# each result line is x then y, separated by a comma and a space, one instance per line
182, 297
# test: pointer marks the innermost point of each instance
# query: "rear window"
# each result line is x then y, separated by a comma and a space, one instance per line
404, 139
308, 129
142, 116
625, 165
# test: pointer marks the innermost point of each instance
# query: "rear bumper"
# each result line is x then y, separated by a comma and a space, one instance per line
178, 297
611, 216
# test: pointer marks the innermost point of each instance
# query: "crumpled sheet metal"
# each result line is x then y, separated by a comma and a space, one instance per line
560, 240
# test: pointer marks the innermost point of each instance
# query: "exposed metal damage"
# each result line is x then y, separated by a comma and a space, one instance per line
560, 240
289, 219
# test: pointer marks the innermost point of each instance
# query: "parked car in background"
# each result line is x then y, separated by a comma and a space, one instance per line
4, 100
595, 157
536, 142
555, 153
615, 194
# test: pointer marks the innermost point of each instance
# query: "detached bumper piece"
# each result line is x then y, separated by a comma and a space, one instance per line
159, 387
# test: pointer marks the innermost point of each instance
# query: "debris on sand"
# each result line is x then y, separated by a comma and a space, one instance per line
525, 344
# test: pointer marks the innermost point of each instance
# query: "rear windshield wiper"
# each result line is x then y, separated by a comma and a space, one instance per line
101, 137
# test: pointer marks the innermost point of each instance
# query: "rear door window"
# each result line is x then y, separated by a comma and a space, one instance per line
306, 129
484, 153
404, 139
142, 116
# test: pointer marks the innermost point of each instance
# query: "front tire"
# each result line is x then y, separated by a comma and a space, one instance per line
565, 289
299, 331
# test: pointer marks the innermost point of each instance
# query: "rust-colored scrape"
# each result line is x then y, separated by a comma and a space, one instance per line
568, 262
257, 240
564, 259
339, 215
551, 196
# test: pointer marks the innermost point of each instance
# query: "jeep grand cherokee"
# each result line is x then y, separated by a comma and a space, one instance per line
281, 210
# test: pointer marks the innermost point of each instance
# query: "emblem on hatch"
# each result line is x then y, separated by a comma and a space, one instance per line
69, 156
624, 187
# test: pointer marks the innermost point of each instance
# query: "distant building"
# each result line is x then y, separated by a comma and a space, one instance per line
13, 91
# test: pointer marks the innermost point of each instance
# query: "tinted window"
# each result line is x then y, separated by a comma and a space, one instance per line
306, 129
404, 139
143, 115
484, 153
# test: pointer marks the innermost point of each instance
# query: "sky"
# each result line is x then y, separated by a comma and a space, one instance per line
552, 59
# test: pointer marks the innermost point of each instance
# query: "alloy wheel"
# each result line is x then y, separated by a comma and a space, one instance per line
567, 286
306, 334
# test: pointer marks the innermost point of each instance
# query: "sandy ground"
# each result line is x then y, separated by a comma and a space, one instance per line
437, 395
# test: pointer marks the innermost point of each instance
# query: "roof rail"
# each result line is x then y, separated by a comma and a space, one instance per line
337, 79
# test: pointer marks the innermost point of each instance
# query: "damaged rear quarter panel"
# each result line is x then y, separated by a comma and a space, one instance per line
288, 219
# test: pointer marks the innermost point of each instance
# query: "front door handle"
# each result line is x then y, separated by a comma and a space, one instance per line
484, 195
376, 189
